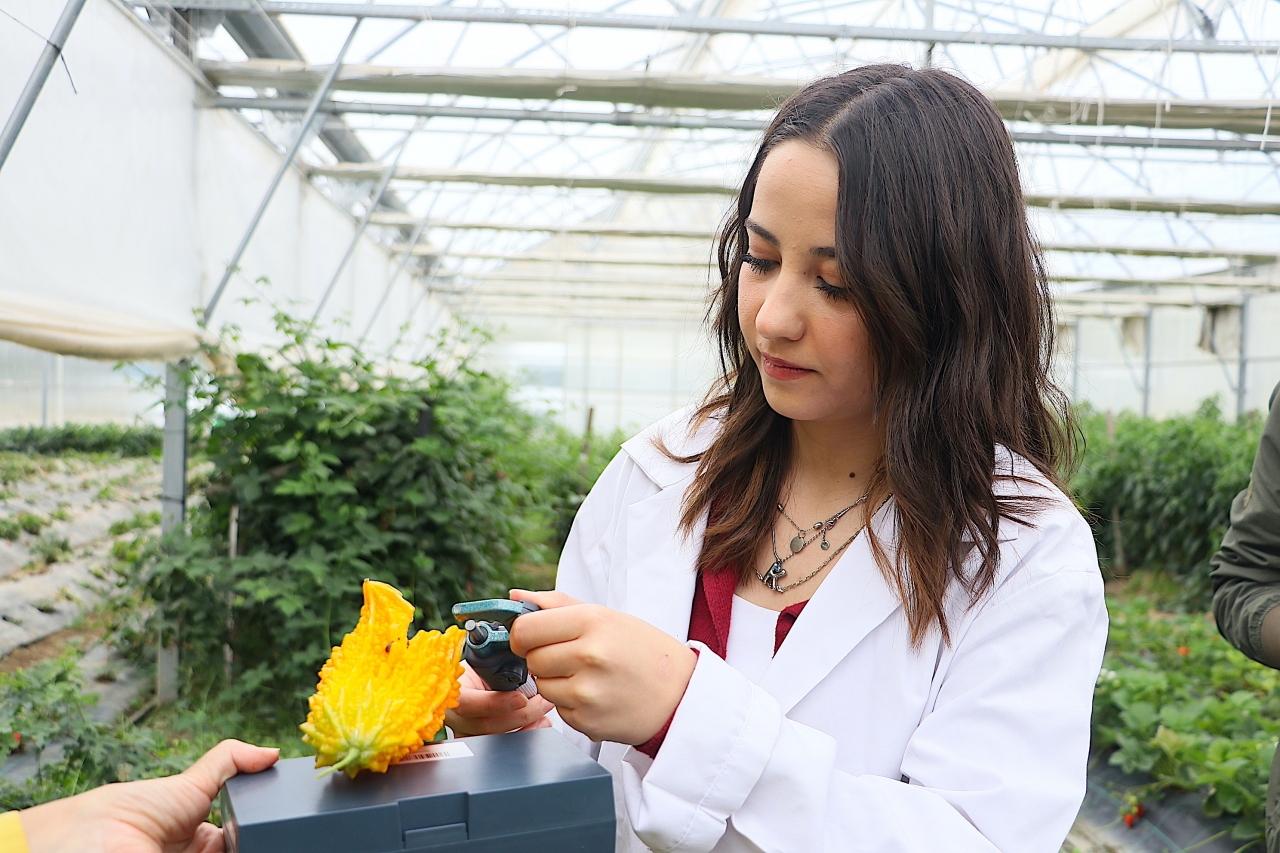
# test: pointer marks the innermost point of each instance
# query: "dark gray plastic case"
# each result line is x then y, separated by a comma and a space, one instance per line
523, 792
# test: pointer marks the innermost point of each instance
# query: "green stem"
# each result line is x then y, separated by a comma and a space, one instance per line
1207, 840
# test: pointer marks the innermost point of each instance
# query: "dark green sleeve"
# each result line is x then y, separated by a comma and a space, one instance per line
1246, 569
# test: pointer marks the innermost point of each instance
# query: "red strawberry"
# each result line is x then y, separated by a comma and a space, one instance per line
1140, 811
1184, 651
1129, 820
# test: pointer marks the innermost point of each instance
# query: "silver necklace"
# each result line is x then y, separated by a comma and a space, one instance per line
799, 542
774, 574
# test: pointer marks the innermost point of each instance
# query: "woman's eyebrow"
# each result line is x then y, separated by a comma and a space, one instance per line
755, 228
764, 234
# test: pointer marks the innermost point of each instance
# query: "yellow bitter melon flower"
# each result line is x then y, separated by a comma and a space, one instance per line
381, 695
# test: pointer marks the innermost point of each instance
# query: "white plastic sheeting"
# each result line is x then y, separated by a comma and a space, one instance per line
125, 195
68, 328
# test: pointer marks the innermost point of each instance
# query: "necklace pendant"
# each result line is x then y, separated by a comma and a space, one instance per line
825, 544
775, 573
797, 543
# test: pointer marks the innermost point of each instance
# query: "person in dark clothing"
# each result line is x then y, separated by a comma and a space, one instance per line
1246, 579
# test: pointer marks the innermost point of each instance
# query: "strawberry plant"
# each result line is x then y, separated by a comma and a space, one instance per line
1176, 702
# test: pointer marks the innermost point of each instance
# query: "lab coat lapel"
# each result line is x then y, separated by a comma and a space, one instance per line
661, 562
852, 601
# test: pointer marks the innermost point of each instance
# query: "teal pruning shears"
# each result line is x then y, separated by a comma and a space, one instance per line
488, 625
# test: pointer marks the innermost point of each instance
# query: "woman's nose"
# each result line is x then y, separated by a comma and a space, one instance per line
780, 316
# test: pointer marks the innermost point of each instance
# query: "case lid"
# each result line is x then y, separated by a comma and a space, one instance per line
469, 789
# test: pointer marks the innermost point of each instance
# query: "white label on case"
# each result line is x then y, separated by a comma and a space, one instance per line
437, 751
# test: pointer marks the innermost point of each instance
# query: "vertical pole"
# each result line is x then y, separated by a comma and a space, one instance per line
44, 389
1075, 361
173, 504
1148, 338
48, 58
586, 367
618, 422
1242, 385
59, 396
233, 550
928, 25
307, 119
173, 489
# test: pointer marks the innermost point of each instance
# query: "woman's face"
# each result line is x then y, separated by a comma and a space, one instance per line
803, 332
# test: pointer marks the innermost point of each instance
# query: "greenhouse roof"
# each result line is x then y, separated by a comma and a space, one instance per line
521, 158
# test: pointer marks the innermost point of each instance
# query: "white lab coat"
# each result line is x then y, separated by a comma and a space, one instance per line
853, 740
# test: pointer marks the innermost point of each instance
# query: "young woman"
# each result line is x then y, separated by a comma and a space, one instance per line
844, 605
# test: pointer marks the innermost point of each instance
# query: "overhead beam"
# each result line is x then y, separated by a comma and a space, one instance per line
728, 26
677, 90
583, 229
626, 118
606, 258
692, 186
623, 183
658, 259
1153, 204
693, 301
683, 90
696, 286
589, 229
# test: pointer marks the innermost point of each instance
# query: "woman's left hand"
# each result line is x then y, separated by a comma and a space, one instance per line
611, 676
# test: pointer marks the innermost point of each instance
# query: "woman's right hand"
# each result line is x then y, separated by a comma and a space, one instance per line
482, 711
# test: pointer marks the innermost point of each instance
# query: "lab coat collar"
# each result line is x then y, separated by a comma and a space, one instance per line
677, 435
661, 561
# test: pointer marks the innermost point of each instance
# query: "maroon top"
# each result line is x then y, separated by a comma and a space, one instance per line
709, 624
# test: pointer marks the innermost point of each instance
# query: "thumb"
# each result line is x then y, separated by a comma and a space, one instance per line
227, 759
548, 600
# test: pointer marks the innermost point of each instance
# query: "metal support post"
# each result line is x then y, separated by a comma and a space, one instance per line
173, 505
1147, 341
307, 120
387, 174
1075, 362
1242, 384
173, 488
48, 58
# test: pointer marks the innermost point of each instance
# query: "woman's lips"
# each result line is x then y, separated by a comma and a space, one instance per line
781, 370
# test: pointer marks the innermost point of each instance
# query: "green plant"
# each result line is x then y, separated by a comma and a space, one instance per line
1158, 492
10, 529
17, 467
342, 468
139, 521
46, 705
32, 522
51, 549
1178, 703
575, 465
121, 440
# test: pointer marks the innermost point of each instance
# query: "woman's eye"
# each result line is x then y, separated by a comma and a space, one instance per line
834, 291
757, 264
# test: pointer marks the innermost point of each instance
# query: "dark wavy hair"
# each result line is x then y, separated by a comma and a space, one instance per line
933, 245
